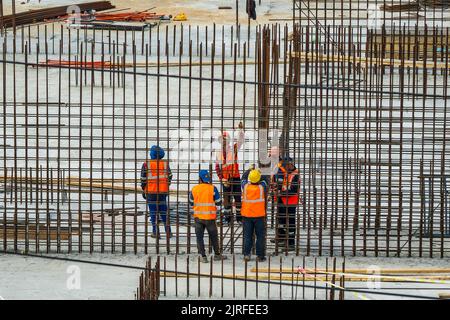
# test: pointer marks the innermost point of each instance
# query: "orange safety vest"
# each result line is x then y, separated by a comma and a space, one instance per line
253, 201
230, 166
157, 176
287, 181
204, 204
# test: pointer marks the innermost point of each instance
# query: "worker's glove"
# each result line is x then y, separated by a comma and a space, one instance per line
144, 195
225, 183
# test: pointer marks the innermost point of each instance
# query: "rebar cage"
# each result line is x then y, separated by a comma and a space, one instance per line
362, 111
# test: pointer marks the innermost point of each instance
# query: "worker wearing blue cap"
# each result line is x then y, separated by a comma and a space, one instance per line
205, 198
156, 177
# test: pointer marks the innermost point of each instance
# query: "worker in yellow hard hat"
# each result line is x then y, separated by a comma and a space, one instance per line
254, 194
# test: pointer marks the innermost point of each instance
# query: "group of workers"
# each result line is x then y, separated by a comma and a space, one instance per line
250, 195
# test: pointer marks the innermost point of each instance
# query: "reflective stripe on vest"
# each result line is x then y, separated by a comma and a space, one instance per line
288, 177
157, 176
287, 182
204, 206
230, 170
253, 201
205, 215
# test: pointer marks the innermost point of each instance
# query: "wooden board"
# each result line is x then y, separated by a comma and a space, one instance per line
393, 44
63, 234
314, 57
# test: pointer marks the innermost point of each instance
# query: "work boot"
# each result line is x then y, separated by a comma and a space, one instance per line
277, 240
154, 236
261, 259
247, 258
204, 259
219, 257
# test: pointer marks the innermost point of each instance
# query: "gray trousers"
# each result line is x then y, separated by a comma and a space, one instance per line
210, 226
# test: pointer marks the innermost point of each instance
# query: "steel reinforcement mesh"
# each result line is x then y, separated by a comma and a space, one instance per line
361, 109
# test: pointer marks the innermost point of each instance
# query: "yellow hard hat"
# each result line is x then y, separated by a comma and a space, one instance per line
180, 17
254, 176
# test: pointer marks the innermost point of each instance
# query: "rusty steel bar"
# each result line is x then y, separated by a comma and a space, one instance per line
379, 117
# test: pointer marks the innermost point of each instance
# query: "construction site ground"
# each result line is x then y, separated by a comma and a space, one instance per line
37, 278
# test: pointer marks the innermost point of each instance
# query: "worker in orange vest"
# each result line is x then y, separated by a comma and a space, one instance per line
288, 189
254, 194
156, 177
205, 198
227, 169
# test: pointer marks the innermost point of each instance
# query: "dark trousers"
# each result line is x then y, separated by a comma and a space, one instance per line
286, 223
251, 9
157, 205
233, 191
254, 226
210, 226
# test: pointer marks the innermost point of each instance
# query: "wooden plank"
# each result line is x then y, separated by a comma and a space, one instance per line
312, 57
96, 184
396, 40
31, 234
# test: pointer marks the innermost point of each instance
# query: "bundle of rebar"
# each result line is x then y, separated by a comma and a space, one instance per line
149, 282
401, 7
435, 3
415, 5
128, 16
50, 13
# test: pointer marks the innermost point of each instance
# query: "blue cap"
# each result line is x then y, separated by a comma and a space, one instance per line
204, 176
156, 152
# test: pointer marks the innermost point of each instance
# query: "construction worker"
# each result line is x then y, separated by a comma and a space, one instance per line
205, 198
156, 177
254, 193
288, 187
251, 9
227, 169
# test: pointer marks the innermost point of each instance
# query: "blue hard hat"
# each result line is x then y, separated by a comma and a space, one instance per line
286, 159
204, 176
156, 152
